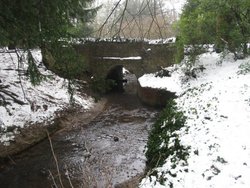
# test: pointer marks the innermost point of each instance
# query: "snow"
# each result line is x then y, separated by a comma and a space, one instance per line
123, 58
161, 41
172, 83
125, 71
217, 104
42, 102
124, 40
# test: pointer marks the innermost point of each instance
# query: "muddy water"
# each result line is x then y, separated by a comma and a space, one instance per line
103, 153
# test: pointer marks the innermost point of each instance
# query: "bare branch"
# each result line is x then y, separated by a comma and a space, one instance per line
13, 96
154, 18
122, 17
146, 19
55, 159
105, 22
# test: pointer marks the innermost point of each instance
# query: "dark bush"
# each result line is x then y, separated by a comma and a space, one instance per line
158, 148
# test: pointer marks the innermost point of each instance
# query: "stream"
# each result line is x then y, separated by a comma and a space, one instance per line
106, 152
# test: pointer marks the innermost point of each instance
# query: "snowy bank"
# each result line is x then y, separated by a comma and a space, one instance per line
171, 83
216, 103
37, 104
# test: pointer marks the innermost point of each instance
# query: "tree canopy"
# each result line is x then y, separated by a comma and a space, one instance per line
225, 23
30, 22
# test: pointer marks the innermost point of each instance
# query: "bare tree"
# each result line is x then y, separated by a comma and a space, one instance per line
137, 19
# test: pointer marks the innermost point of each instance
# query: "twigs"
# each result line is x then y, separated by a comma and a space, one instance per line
11, 95
56, 161
19, 60
138, 19
10, 158
61, 185
122, 17
53, 179
105, 22
68, 177
154, 18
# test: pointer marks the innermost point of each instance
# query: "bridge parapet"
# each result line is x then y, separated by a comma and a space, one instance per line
138, 57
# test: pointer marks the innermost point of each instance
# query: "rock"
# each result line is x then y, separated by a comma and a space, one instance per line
224, 116
208, 118
153, 96
1, 123
163, 73
11, 128
116, 139
196, 152
45, 107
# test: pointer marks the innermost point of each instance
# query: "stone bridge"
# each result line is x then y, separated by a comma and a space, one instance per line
106, 59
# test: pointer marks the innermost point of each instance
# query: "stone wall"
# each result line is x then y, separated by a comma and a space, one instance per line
154, 97
153, 56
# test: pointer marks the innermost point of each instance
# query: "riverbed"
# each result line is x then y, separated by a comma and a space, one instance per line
105, 152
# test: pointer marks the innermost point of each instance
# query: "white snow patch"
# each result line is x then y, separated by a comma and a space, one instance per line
161, 41
124, 58
42, 102
217, 105
125, 71
172, 83
124, 40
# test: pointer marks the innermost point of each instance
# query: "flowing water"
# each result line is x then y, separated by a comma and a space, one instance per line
104, 153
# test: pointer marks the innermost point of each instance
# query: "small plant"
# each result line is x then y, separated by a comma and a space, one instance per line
244, 68
34, 74
68, 63
100, 86
163, 141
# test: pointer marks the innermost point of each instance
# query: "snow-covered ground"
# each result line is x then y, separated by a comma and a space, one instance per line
217, 106
41, 103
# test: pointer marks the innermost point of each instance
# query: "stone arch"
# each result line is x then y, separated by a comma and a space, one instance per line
121, 78
116, 75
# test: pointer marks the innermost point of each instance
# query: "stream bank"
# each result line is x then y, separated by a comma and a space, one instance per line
105, 151
31, 135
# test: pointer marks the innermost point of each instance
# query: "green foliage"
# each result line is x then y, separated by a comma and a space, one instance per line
81, 30
225, 23
65, 60
29, 23
34, 74
179, 55
193, 25
101, 86
71, 91
163, 141
244, 68
42, 23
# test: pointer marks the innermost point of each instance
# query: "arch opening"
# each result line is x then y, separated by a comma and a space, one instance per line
122, 80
